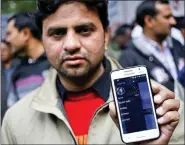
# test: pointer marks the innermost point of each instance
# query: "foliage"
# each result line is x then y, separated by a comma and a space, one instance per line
14, 6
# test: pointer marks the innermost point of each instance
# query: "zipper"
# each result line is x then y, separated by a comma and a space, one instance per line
97, 111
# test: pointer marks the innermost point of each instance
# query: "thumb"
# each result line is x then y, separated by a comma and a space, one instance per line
113, 113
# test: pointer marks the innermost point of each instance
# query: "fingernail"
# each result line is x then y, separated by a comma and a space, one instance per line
161, 120
160, 111
157, 98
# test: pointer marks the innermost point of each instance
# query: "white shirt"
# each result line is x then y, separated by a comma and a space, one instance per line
176, 34
164, 56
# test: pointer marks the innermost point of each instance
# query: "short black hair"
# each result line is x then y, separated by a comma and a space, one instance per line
147, 7
122, 29
26, 20
47, 7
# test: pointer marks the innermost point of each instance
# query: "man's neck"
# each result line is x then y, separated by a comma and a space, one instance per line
153, 37
34, 49
83, 83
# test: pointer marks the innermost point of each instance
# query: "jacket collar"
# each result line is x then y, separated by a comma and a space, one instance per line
47, 99
101, 86
143, 44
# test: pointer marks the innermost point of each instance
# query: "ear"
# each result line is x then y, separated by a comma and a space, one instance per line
149, 21
107, 36
26, 33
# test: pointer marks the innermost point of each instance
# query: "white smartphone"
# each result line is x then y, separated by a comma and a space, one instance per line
134, 104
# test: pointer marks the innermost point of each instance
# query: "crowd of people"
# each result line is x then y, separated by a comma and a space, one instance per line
56, 64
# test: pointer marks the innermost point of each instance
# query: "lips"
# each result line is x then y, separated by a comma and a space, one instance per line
74, 60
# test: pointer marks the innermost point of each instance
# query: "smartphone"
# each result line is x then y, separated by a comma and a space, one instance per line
134, 104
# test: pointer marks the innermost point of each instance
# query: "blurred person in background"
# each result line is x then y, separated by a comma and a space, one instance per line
163, 55
120, 41
24, 36
8, 66
181, 77
7, 63
175, 33
137, 30
180, 84
181, 26
179, 32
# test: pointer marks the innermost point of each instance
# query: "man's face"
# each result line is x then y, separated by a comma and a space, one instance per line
15, 37
6, 54
123, 39
163, 21
74, 40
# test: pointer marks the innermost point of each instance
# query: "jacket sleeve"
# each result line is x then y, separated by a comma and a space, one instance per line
178, 135
127, 58
6, 132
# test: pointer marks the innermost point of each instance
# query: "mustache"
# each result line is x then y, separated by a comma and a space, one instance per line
66, 55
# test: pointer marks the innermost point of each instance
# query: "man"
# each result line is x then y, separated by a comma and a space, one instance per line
7, 62
181, 27
163, 56
24, 36
72, 106
7, 68
120, 41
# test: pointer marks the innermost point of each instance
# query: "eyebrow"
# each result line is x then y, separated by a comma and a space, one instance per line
90, 25
54, 29
169, 15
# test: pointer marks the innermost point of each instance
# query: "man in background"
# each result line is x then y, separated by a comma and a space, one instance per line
8, 65
120, 41
24, 36
163, 55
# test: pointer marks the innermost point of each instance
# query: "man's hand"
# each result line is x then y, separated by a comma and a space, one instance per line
168, 116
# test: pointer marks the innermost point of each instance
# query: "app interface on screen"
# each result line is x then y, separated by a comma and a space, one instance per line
135, 105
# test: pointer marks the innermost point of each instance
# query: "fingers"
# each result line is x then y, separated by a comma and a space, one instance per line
163, 95
112, 109
155, 87
112, 113
169, 111
168, 105
169, 117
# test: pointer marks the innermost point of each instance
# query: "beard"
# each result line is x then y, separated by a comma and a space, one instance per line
162, 37
79, 73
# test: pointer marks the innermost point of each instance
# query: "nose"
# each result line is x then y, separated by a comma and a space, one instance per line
173, 21
8, 38
71, 42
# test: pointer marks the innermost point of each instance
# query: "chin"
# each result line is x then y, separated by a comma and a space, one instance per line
74, 73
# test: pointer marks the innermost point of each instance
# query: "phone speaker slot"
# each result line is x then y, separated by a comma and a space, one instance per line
129, 74
128, 71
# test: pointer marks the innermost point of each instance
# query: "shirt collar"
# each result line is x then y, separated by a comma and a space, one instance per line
101, 86
26, 60
155, 44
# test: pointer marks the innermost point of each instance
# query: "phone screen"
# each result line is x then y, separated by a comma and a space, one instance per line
135, 104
